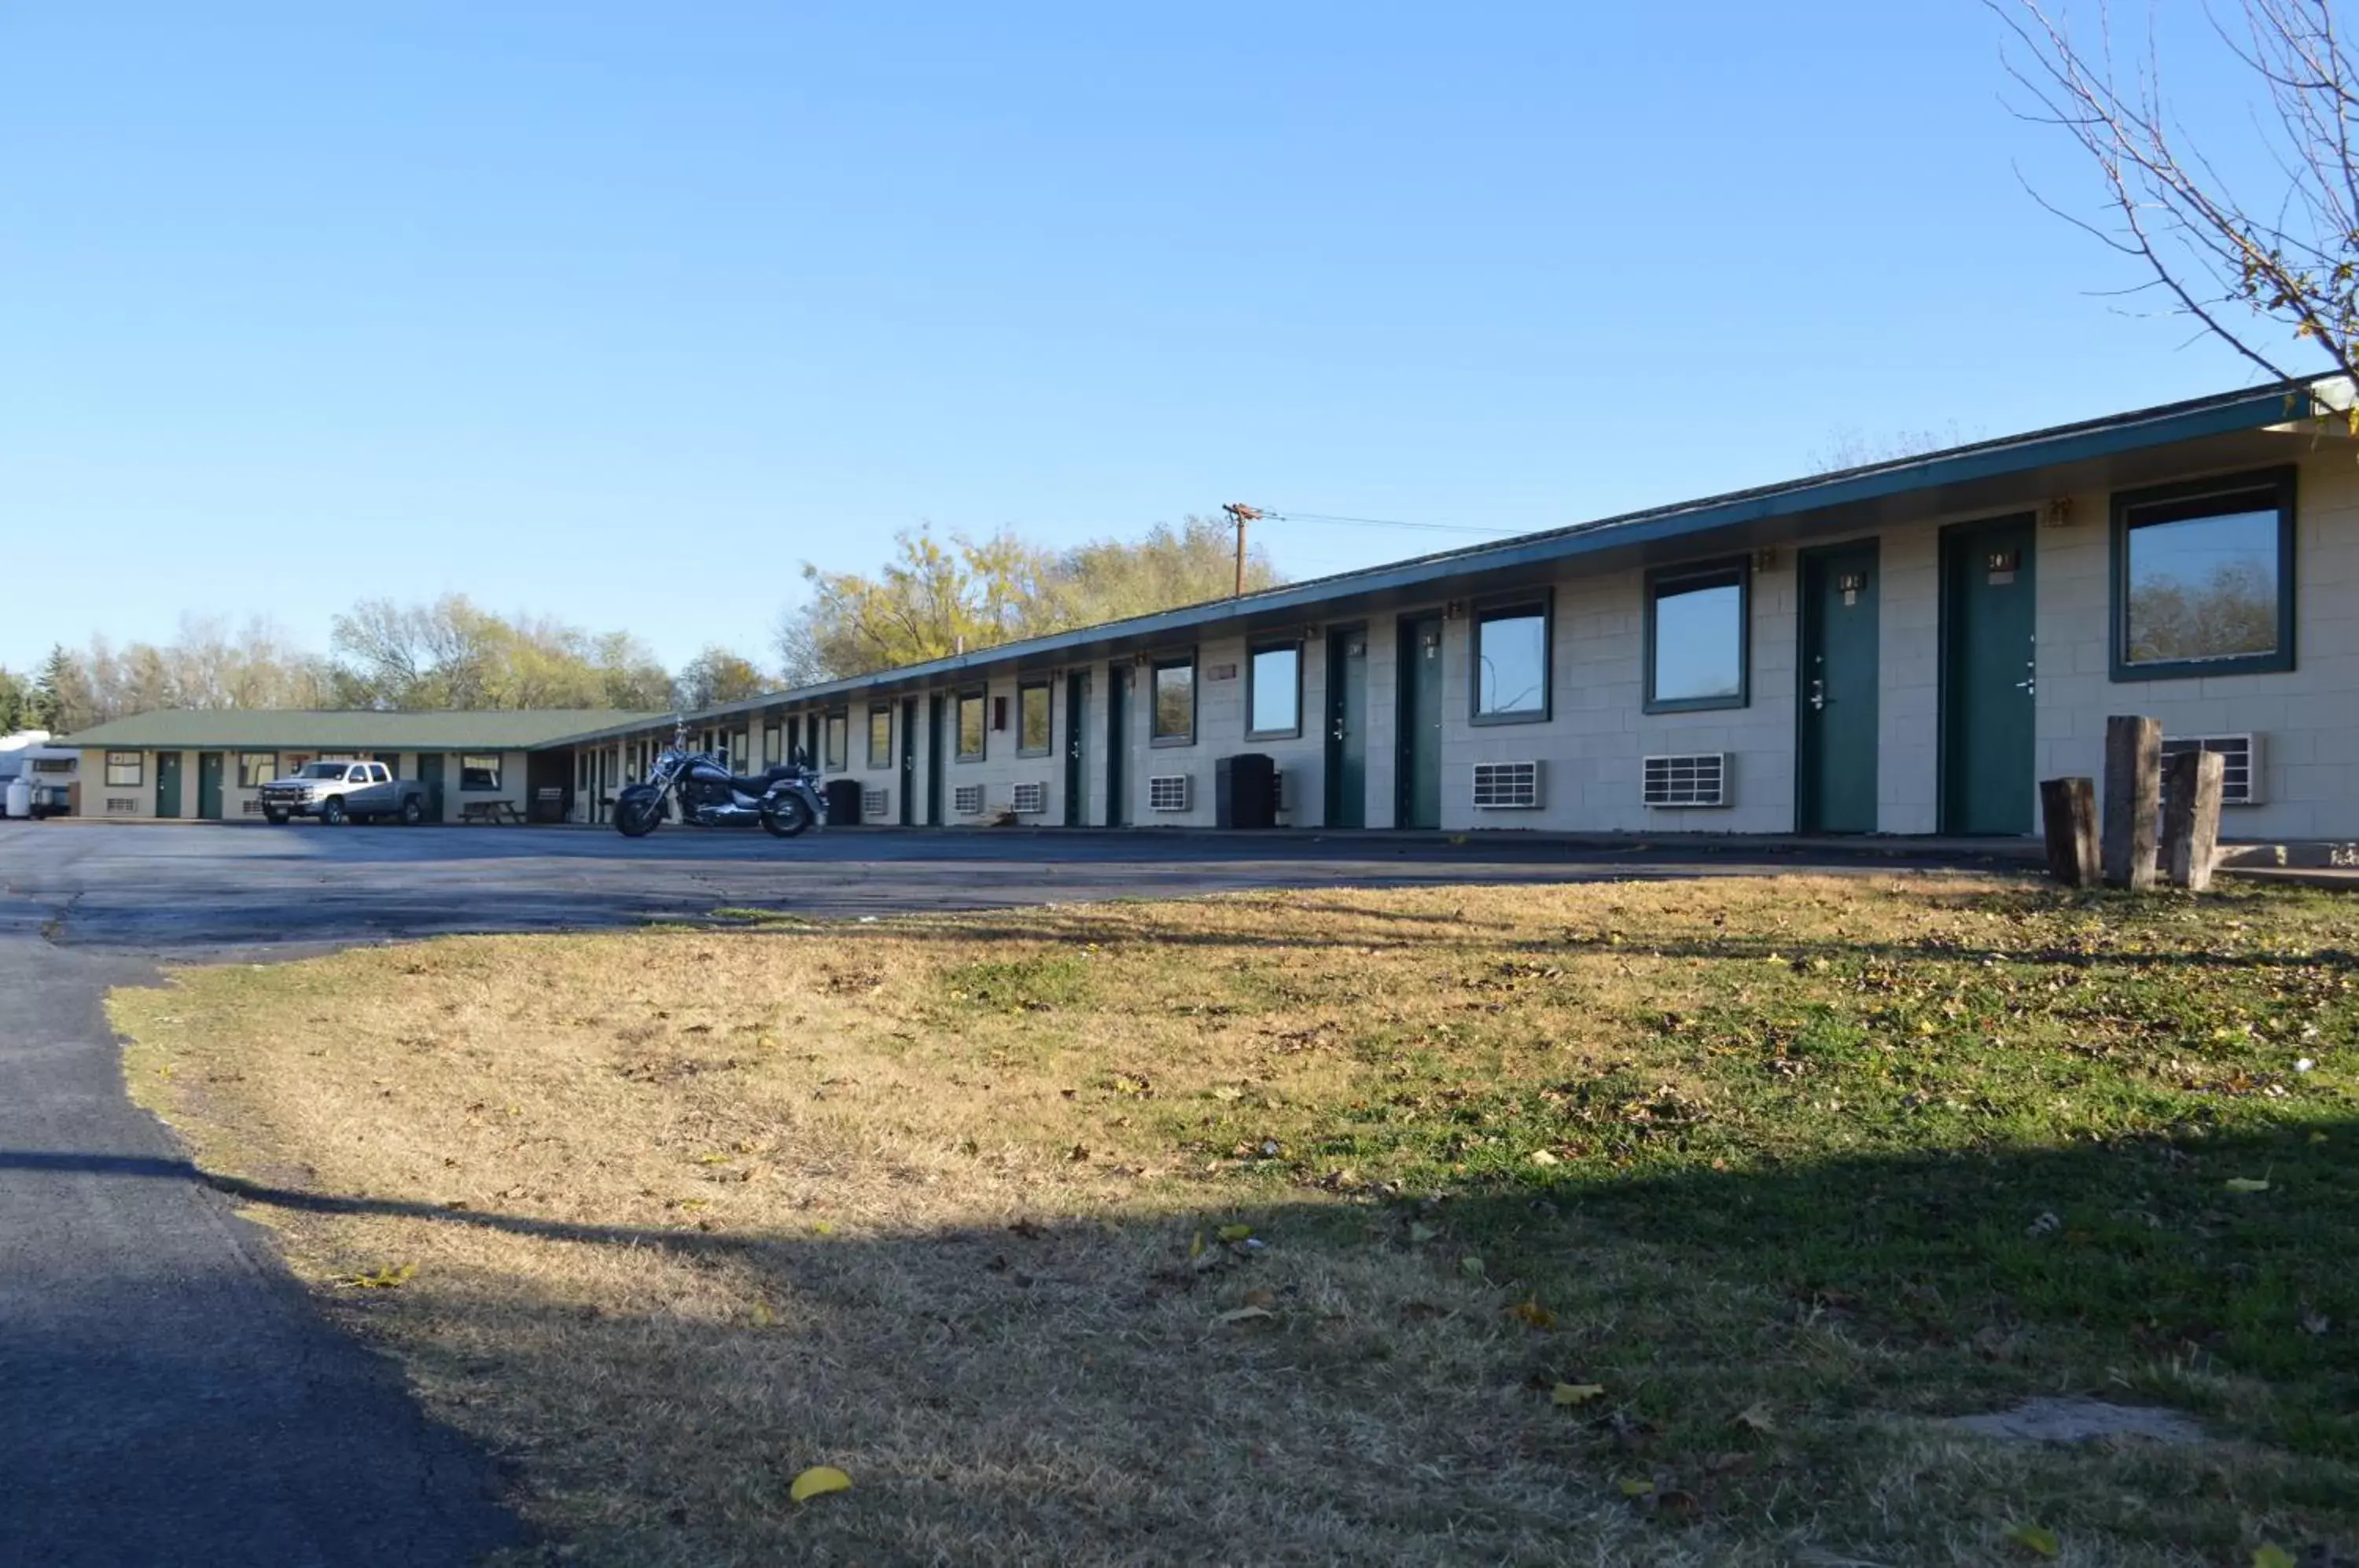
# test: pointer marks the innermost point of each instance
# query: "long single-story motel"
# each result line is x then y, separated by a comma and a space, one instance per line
1900, 648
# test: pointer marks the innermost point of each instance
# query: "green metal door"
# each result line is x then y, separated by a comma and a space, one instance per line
1117, 746
908, 762
935, 760
1077, 760
168, 783
1837, 746
1986, 678
209, 785
1347, 727
429, 773
1418, 785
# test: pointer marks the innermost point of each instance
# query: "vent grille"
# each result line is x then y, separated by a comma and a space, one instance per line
1700, 778
876, 802
253, 808
1167, 792
2240, 775
967, 800
1028, 800
1506, 786
116, 803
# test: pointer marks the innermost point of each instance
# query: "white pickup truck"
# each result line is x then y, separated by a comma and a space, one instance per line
340, 792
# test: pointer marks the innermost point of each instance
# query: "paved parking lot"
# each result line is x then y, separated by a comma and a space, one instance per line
173, 1397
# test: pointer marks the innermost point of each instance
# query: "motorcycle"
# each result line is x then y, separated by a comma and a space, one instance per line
784, 799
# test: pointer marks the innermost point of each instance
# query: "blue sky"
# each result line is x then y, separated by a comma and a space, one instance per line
619, 312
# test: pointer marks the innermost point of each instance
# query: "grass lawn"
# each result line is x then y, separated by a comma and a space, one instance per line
1659, 1223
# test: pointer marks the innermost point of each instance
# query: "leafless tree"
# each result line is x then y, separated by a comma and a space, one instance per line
2283, 254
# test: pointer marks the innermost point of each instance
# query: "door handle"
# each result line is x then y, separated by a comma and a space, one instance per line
1818, 696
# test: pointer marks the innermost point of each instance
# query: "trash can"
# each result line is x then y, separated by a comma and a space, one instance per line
1245, 792
843, 803
19, 798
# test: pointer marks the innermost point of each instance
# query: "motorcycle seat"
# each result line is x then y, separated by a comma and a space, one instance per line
758, 783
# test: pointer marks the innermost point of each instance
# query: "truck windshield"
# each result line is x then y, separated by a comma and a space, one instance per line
321, 771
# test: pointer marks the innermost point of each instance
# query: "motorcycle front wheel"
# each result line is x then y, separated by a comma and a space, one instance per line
786, 819
637, 818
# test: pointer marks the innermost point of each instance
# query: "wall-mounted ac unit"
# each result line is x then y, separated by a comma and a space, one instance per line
1028, 800
1506, 786
1169, 792
876, 802
967, 800
2239, 777
1277, 789
1698, 779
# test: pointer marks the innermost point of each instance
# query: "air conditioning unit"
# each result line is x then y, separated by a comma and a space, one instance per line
1028, 800
1506, 786
876, 802
2240, 775
118, 806
1698, 779
1169, 792
967, 800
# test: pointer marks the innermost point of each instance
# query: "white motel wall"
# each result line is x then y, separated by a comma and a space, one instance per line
244, 803
1591, 745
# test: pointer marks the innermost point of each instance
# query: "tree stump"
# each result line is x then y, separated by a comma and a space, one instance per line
2191, 820
2068, 811
2133, 800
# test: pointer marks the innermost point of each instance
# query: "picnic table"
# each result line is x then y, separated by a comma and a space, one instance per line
492, 811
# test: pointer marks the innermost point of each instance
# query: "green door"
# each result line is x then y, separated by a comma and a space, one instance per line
908, 762
936, 759
1347, 727
1117, 746
1837, 747
168, 783
429, 773
1986, 685
1077, 759
1419, 786
209, 785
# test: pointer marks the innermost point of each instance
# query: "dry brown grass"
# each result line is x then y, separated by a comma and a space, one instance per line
690, 1210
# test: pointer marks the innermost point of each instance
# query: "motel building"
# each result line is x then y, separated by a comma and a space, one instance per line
1904, 649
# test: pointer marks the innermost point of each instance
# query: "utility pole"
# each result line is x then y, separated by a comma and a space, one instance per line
1241, 514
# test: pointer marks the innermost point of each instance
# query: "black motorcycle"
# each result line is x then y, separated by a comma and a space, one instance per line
784, 799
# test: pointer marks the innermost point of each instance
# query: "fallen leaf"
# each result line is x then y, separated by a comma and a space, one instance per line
1542, 1157
763, 1316
2033, 1539
1757, 1416
1471, 1266
1236, 1232
1531, 1314
1195, 1247
1244, 1314
2246, 1184
2272, 1557
1419, 1235
386, 1279
1575, 1393
823, 1227
1632, 1486
1261, 1298
817, 1481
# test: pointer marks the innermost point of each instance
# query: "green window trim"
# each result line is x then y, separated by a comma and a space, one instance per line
978, 699
1666, 582
1025, 693
1156, 733
2259, 490
880, 735
1522, 607
125, 769
1253, 651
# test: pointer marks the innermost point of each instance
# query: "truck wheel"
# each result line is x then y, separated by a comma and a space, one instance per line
331, 813
276, 819
413, 811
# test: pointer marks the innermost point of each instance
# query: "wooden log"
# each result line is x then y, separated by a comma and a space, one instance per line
2067, 812
2133, 799
2191, 820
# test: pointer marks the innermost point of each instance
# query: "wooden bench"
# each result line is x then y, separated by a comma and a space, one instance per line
492, 811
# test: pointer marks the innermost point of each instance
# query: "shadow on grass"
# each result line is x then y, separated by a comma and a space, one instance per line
1073, 1388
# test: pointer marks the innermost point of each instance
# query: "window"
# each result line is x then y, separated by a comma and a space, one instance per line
2203, 578
1274, 691
738, 756
1032, 736
1511, 664
124, 769
970, 726
771, 755
839, 742
479, 771
1696, 638
1174, 701
880, 736
379, 773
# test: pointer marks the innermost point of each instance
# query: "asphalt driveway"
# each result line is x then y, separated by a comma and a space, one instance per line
170, 1396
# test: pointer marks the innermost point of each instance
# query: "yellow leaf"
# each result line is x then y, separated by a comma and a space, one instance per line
1575, 1393
1195, 1247
823, 1227
1236, 1232
1632, 1486
2033, 1539
1542, 1157
2246, 1184
817, 1481
388, 1279
763, 1316
1531, 1314
1757, 1416
2272, 1557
